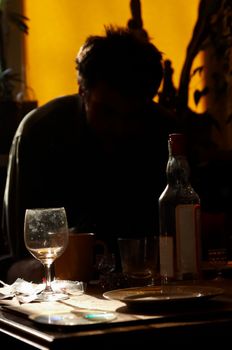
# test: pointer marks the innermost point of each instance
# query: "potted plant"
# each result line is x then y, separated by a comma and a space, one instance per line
7, 76
11, 110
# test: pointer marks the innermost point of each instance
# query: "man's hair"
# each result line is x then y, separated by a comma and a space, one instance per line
122, 59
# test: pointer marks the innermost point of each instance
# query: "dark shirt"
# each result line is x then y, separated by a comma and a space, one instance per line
56, 160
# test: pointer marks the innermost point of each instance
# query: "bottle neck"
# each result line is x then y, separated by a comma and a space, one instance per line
178, 171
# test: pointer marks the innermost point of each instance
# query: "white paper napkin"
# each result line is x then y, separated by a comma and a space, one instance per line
26, 292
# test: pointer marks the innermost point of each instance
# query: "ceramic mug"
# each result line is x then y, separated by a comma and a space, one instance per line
77, 262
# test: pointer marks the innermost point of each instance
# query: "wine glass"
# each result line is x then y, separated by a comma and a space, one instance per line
46, 238
218, 258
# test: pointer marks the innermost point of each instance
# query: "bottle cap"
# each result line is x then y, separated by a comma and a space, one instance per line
177, 144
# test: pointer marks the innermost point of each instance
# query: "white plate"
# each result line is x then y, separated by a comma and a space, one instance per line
162, 294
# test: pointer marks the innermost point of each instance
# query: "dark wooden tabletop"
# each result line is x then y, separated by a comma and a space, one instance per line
180, 324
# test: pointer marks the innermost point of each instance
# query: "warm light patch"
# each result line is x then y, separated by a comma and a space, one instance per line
58, 29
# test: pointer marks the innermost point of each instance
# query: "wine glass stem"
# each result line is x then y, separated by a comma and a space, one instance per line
48, 287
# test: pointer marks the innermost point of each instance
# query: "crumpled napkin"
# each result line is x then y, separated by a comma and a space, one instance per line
68, 287
26, 292
23, 290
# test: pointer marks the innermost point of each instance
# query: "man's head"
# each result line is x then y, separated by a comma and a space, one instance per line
119, 74
124, 61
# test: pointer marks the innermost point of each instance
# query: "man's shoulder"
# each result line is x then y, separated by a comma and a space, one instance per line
58, 111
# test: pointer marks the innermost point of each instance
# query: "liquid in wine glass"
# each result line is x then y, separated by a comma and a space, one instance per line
46, 238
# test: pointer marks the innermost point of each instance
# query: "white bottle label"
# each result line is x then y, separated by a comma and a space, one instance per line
187, 239
179, 255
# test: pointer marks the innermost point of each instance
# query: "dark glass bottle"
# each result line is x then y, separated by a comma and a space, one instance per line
179, 215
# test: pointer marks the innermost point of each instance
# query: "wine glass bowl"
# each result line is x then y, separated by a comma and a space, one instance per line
218, 258
46, 238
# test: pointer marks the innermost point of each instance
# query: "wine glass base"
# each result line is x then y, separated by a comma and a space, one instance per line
51, 296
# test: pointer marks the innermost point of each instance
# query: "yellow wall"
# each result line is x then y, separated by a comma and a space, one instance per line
59, 27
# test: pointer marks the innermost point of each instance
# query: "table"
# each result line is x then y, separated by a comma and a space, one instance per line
186, 325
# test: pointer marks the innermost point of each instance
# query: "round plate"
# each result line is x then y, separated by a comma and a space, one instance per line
159, 295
